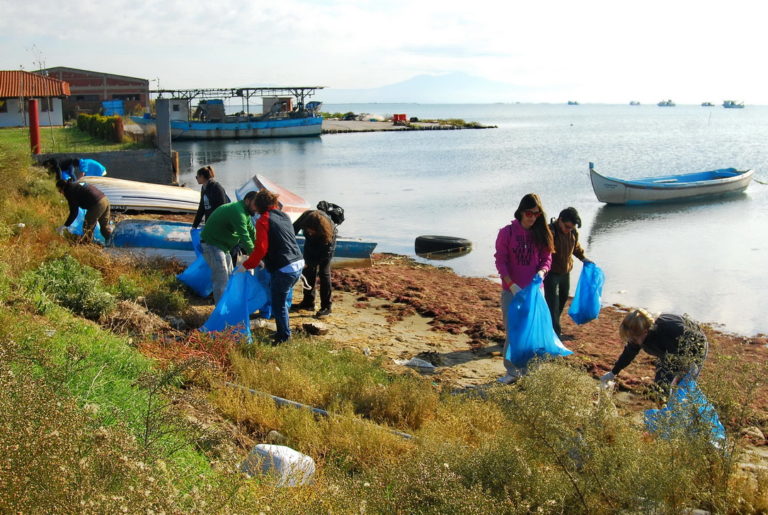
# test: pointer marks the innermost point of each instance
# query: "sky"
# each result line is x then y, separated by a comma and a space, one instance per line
548, 51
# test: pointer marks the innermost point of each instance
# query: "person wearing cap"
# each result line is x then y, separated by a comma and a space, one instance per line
557, 284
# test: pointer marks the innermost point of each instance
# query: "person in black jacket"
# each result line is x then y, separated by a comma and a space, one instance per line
319, 245
212, 195
677, 341
95, 203
276, 246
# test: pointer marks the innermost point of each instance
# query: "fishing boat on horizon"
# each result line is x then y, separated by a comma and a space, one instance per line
666, 103
669, 188
733, 104
285, 113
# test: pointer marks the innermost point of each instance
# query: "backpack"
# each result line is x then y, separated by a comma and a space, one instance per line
335, 212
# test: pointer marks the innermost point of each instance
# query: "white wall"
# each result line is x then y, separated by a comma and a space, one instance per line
15, 118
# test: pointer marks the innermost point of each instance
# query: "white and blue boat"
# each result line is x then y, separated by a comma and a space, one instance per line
169, 239
285, 113
669, 188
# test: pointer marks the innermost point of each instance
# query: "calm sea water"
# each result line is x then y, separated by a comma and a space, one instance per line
704, 259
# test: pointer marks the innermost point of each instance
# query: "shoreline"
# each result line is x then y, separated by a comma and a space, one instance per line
354, 126
401, 309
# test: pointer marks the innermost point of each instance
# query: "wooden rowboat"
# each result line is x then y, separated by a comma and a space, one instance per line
669, 188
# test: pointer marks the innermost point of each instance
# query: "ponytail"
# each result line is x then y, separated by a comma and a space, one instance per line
635, 323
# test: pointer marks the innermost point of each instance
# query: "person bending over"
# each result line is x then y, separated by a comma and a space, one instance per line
95, 203
276, 246
319, 246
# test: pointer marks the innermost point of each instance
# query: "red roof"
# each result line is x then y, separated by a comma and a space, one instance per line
25, 84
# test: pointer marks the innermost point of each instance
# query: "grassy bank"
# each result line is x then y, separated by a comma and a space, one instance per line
61, 139
106, 408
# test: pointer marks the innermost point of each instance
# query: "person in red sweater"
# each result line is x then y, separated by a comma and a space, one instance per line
276, 247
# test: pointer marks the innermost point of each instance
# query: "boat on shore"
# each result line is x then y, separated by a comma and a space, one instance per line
285, 113
136, 196
733, 104
669, 188
173, 240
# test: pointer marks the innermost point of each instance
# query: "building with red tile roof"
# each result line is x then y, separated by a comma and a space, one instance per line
17, 87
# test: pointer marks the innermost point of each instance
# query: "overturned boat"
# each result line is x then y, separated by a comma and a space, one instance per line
136, 196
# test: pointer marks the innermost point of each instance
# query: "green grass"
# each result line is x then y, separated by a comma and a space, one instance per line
62, 139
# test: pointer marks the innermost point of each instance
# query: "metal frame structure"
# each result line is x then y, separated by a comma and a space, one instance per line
301, 93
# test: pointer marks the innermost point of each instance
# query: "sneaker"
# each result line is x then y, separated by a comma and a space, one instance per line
508, 379
302, 307
323, 313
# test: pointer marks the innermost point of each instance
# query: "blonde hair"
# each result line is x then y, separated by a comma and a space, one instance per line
635, 323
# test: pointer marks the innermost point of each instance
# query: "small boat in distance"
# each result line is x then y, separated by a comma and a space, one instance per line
573, 103
666, 103
732, 104
707, 104
634, 103
669, 188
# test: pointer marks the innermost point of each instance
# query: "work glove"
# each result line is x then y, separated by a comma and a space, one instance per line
61, 230
541, 273
606, 378
514, 288
240, 268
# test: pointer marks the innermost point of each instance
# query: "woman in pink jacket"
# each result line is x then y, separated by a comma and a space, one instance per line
523, 249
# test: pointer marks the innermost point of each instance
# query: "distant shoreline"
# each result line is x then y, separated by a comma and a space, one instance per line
350, 126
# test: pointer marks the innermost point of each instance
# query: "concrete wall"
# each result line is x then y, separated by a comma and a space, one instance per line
16, 118
148, 165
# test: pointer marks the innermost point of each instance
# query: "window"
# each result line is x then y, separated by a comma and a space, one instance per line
176, 107
46, 104
87, 98
133, 96
3, 106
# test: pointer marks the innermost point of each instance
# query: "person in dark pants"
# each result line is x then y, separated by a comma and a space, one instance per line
276, 246
212, 195
95, 203
319, 245
677, 341
557, 283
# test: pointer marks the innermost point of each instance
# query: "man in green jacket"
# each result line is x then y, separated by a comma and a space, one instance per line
229, 225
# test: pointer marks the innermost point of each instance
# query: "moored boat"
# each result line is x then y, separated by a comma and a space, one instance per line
290, 203
666, 103
733, 104
669, 188
285, 113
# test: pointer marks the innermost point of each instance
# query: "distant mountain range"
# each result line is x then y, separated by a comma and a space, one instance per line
450, 88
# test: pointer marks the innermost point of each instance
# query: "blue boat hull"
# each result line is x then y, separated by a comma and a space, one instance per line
172, 239
276, 128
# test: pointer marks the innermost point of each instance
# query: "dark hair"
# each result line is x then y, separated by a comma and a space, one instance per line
249, 196
320, 224
542, 236
265, 199
207, 172
569, 214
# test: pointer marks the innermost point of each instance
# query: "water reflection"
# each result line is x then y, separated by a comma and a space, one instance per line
609, 218
445, 255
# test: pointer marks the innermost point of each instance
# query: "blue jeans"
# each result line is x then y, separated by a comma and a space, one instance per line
280, 286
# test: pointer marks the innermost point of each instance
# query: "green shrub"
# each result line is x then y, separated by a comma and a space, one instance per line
73, 286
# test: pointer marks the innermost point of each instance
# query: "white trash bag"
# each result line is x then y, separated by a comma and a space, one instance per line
291, 467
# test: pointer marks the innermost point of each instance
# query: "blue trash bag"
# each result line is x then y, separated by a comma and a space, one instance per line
585, 305
265, 278
244, 295
687, 412
198, 275
76, 227
529, 326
